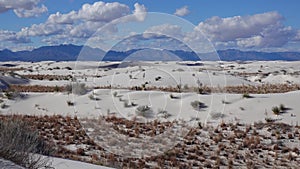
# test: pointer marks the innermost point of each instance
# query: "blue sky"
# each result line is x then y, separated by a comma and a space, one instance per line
268, 25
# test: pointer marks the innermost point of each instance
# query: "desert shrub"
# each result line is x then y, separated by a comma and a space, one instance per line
56, 88
144, 111
157, 78
186, 87
225, 102
70, 103
126, 103
246, 95
216, 116
11, 94
276, 110
133, 104
115, 94
21, 145
164, 113
4, 106
269, 120
174, 97
197, 105
76, 88
282, 107
93, 97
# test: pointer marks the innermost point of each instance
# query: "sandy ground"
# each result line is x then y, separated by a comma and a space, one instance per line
216, 107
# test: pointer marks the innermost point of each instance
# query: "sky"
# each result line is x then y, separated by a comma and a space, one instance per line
262, 25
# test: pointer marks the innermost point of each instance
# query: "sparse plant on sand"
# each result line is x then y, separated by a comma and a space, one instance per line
246, 95
174, 97
216, 116
4, 106
282, 107
144, 111
164, 113
269, 120
93, 97
115, 94
126, 103
197, 105
276, 110
200, 89
12, 94
70, 103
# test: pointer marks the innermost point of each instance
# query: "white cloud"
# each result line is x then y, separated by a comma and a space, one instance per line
59, 18
23, 8
34, 12
139, 11
43, 29
138, 14
103, 12
85, 29
260, 30
183, 11
169, 30
11, 36
83, 23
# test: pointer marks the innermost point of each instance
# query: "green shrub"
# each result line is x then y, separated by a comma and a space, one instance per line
282, 107
276, 110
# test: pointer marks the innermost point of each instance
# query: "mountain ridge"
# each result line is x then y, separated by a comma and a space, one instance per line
71, 52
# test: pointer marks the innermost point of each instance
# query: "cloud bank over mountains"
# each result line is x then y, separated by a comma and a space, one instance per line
258, 31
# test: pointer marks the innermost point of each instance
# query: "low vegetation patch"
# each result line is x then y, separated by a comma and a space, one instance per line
19, 143
197, 105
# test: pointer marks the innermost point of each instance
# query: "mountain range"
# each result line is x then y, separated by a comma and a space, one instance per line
71, 52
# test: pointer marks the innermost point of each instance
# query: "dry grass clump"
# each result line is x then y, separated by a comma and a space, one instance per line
261, 89
36, 88
47, 77
19, 143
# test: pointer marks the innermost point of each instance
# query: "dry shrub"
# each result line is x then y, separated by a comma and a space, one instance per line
21, 145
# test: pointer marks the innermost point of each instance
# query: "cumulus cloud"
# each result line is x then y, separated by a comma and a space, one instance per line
183, 11
260, 30
43, 29
83, 23
104, 12
34, 12
59, 18
139, 11
12, 36
23, 8
173, 31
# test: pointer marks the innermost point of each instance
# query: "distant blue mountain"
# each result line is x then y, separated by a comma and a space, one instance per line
233, 54
53, 53
150, 55
71, 53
